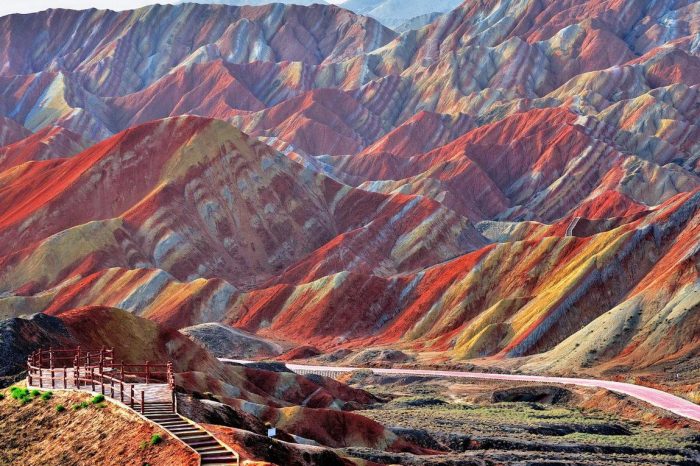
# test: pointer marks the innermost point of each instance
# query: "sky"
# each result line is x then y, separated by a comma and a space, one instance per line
28, 6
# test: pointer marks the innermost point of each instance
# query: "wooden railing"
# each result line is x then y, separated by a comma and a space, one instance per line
98, 370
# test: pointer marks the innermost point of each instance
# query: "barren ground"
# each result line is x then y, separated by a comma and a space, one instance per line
36, 434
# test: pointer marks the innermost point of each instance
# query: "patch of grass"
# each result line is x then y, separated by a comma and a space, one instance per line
22, 395
2, 396
46, 396
35, 393
97, 399
156, 439
82, 405
60, 408
18, 393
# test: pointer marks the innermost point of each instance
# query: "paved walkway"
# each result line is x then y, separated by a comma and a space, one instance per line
652, 396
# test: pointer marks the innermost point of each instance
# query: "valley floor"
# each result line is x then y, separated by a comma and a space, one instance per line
494, 423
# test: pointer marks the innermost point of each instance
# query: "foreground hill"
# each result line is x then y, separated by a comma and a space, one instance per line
120, 434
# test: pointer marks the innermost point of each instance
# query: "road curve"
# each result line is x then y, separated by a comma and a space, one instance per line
652, 396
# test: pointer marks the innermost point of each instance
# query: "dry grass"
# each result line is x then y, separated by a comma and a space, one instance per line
37, 433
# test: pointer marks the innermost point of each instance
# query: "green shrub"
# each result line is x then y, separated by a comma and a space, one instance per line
82, 405
35, 393
60, 408
97, 399
46, 396
2, 396
156, 439
18, 393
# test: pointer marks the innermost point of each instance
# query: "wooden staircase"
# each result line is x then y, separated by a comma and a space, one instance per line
153, 400
210, 450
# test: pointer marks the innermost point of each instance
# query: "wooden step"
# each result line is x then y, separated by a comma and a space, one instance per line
164, 417
219, 459
212, 450
185, 430
204, 443
195, 439
192, 433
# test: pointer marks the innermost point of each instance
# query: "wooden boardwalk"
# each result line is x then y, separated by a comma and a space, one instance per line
153, 400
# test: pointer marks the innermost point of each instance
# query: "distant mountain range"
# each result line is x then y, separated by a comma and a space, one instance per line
396, 14
256, 2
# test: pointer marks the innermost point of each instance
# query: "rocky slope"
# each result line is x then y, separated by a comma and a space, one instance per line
94, 435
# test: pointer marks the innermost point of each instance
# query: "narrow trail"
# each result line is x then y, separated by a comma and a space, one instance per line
658, 398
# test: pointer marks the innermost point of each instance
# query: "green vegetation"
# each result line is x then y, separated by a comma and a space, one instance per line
525, 421
156, 439
82, 405
60, 408
97, 399
22, 395
2, 396
18, 393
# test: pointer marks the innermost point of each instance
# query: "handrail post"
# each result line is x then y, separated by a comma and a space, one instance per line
92, 378
121, 391
53, 381
29, 371
132, 396
41, 382
122, 369
50, 357
65, 376
111, 386
143, 410
76, 370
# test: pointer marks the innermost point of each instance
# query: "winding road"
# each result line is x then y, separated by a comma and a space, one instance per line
652, 396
